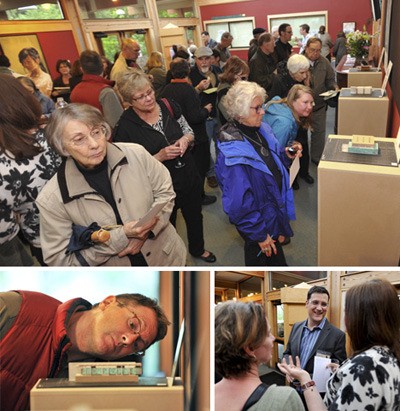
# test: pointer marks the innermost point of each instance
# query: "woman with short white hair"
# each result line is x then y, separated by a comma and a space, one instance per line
297, 72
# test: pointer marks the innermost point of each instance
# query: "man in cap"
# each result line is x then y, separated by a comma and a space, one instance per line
254, 42
204, 76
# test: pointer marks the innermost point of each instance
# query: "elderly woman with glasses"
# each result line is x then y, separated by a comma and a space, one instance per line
160, 127
252, 172
105, 185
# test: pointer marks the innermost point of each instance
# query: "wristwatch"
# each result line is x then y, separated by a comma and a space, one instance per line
308, 385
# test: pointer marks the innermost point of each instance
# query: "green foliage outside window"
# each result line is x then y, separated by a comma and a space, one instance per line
40, 12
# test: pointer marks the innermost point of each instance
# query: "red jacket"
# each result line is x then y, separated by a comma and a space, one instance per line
89, 89
34, 347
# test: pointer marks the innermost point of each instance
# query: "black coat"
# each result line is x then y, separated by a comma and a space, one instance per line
188, 99
132, 129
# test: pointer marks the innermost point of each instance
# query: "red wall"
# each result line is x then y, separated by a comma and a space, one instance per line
57, 45
339, 11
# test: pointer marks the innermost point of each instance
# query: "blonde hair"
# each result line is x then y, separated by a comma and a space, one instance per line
155, 60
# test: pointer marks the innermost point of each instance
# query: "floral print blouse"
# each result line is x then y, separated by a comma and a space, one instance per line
20, 183
369, 381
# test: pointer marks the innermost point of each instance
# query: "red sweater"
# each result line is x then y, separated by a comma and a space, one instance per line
34, 347
89, 89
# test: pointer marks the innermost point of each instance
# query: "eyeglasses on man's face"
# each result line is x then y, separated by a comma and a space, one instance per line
142, 98
313, 50
96, 133
135, 326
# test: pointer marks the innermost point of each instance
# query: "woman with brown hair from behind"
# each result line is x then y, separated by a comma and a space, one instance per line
26, 164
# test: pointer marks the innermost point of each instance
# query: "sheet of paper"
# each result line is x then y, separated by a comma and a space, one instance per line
294, 169
210, 90
321, 373
151, 214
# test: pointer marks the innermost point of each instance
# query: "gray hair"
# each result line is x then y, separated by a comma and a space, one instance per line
59, 119
240, 96
297, 62
132, 82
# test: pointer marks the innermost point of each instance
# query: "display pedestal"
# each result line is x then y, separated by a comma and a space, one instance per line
371, 78
136, 398
358, 214
362, 114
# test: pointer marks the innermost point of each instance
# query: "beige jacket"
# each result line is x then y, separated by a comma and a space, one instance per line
138, 182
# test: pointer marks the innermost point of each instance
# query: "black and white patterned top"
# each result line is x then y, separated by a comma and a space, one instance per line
20, 184
369, 381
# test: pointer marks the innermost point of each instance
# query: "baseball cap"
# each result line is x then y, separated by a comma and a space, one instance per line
203, 52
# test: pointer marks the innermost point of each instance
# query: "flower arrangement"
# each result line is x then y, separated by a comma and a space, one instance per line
358, 43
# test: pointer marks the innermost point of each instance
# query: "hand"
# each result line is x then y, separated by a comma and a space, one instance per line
168, 153
333, 366
208, 107
134, 246
298, 147
203, 85
183, 143
140, 232
294, 372
268, 246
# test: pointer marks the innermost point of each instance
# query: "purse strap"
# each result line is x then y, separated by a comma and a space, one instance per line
166, 102
255, 396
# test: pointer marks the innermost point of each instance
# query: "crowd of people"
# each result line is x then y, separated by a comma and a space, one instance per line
249, 113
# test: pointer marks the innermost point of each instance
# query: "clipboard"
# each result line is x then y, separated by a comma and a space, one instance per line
151, 213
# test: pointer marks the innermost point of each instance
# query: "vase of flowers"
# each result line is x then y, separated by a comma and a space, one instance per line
358, 45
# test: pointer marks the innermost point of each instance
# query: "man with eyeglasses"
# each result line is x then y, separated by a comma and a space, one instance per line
130, 52
95, 90
283, 48
322, 79
39, 335
316, 334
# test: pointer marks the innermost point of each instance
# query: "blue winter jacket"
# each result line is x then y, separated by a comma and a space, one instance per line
250, 194
280, 117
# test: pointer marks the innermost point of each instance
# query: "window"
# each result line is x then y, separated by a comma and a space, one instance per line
175, 9
31, 10
240, 28
101, 10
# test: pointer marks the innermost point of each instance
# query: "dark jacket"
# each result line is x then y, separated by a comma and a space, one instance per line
331, 340
188, 99
283, 50
281, 84
132, 129
250, 194
196, 76
262, 67
35, 346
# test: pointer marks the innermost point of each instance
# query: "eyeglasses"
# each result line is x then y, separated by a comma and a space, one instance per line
314, 50
143, 96
135, 325
96, 133
258, 109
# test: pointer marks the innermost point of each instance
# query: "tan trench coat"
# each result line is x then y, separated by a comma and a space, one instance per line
138, 182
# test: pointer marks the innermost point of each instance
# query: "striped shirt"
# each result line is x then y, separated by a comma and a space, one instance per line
308, 340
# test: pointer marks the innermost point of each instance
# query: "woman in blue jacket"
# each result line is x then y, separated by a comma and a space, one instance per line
252, 172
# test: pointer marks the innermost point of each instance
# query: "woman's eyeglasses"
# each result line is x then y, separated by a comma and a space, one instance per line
258, 109
143, 96
96, 133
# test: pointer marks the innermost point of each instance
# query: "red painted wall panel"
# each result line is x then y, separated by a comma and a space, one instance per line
57, 45
339, 11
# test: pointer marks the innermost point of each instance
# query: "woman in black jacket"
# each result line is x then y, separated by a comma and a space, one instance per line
160, 127
180, 89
